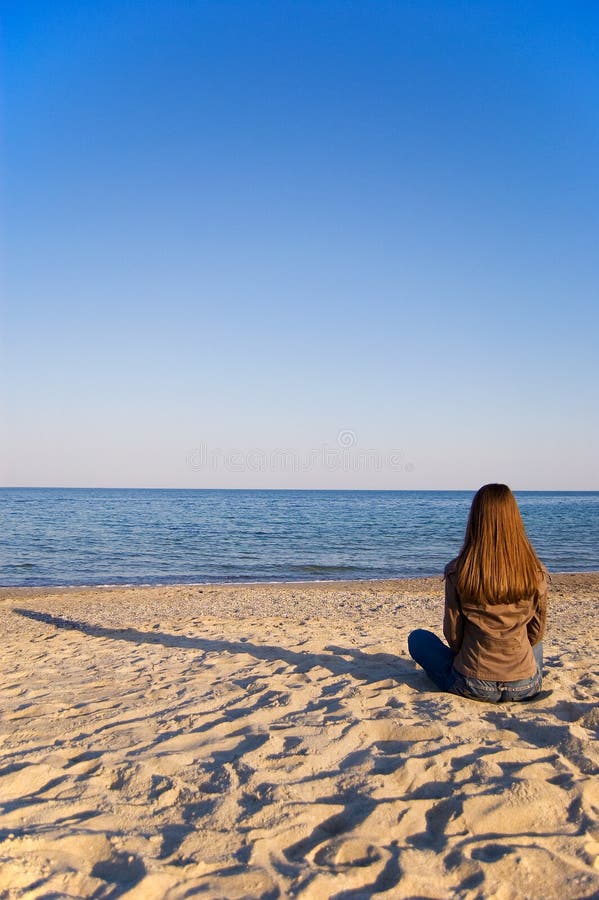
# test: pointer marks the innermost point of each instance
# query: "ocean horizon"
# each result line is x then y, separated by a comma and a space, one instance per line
105, 536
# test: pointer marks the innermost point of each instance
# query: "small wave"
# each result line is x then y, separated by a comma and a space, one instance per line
10, 566
317, 568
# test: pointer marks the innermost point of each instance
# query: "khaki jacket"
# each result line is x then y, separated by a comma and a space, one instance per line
493, 642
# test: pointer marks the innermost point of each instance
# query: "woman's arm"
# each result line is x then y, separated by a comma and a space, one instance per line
536, 626
453, 619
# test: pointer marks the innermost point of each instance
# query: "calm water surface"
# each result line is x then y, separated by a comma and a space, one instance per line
53, 536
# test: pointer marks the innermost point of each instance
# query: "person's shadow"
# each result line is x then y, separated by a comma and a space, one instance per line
366, 667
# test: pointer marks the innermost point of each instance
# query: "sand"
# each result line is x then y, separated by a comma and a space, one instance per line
265, 741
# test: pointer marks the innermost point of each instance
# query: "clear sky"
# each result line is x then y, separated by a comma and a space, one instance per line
237, 228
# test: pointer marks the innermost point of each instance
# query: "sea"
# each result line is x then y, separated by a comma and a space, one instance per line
80, 536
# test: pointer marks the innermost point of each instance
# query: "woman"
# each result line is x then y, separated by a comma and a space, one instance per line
495, 608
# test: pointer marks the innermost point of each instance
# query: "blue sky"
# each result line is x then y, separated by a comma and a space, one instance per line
242, 227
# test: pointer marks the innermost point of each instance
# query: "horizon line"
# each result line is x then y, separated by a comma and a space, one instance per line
61, 487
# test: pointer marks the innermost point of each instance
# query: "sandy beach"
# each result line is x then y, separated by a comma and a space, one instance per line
276, 740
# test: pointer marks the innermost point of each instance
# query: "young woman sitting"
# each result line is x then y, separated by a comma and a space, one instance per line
495, 608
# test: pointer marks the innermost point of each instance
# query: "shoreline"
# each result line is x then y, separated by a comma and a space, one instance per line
563, 579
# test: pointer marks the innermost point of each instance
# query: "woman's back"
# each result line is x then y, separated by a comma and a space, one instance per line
495, 608
493, 641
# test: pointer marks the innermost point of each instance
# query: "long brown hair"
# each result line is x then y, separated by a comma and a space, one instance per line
497, 563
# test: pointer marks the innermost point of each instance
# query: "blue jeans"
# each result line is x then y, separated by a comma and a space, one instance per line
436, 659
